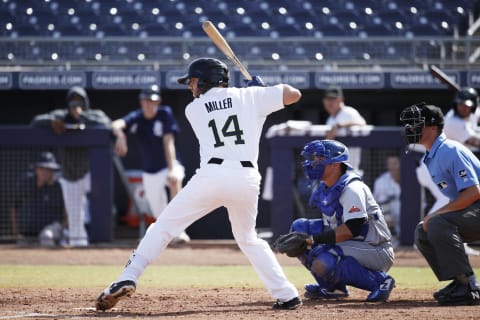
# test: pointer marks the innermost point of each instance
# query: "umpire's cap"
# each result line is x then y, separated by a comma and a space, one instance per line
433, 115
151, 93
47, 160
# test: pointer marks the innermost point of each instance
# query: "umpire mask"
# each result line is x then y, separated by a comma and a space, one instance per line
414, 122
419, 116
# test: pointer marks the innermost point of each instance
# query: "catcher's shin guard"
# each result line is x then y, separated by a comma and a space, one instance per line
377, 282
114, 293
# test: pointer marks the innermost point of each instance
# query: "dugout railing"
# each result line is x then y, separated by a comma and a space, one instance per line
18, 146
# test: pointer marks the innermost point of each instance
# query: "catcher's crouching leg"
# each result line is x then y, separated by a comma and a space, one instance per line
321, 262
347, 270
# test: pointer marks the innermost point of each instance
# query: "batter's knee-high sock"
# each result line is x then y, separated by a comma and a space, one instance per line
354, 274
134, 268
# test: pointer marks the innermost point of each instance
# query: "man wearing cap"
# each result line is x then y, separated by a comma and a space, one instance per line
342, 116
441, 234
155, 127
38, 209
75, 161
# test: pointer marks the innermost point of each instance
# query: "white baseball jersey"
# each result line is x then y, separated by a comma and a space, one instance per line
228, 124
349, 115
460, 129
228, 121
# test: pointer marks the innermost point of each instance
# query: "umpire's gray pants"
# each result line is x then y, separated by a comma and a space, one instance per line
442, 245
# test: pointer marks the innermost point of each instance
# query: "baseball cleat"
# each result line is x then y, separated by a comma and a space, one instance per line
116, 292
314, 291
445, 291
460, 295
383, 292
287, 305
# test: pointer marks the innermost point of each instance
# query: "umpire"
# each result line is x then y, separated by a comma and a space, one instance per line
440, 236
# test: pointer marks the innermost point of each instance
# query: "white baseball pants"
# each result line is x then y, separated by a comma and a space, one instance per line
213, 186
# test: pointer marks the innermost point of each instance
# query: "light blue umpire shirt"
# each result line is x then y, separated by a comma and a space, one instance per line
453, 166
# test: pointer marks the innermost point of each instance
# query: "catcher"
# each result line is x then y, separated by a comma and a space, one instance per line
351, 244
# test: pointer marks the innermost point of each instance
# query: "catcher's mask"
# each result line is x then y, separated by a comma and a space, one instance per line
417, 117
318, 154
210, 73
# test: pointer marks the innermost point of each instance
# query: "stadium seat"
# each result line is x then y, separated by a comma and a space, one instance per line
334, 30
288, 30
141, 19
378, 30
427, 29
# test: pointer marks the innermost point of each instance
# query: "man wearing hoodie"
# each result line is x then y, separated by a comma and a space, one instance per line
75, 179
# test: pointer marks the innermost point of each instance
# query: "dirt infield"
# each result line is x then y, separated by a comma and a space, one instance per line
220, 303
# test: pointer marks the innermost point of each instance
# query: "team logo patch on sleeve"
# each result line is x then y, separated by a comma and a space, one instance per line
354, 209
462, 173
442, 185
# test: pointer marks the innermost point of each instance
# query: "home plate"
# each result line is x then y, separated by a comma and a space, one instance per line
85, 309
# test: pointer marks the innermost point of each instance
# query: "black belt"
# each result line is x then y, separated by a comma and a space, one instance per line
245, 164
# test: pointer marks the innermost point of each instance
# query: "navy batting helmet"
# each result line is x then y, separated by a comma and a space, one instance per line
467, 96
319, 153
210, 72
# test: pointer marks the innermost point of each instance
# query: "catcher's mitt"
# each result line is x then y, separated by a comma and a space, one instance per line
293, 243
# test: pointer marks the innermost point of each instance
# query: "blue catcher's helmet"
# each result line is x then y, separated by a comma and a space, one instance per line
331, 151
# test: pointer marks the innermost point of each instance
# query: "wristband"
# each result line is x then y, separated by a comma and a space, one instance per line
327, 237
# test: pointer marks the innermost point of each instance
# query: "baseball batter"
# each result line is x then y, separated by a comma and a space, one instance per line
461, 122
351, 244
227, 123
440, 236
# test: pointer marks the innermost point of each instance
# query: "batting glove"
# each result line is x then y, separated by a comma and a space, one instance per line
255, 82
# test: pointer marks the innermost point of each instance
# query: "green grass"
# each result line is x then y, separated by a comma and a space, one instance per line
47, 276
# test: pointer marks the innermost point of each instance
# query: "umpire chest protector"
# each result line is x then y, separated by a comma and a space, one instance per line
327, 199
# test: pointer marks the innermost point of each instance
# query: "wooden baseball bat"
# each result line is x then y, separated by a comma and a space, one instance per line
444, 78
223, 45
